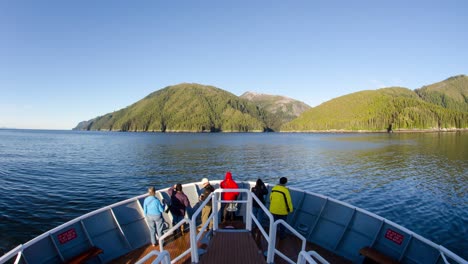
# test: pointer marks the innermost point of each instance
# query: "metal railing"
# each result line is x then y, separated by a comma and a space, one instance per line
170, 232
248, 202
162, 257
214, 198
18, 251
270, 236
306, 257
270, 256
194, 237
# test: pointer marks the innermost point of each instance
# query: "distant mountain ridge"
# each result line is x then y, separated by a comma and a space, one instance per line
201, 108
281, 109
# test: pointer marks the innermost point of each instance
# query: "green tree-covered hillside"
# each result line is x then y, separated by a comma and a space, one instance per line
280, 109
379, 110
451, 93
200, 108
184, 107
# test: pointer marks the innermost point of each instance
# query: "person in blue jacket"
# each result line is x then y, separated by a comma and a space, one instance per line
153, 210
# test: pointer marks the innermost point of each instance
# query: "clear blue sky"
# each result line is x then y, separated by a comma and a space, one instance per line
62, 62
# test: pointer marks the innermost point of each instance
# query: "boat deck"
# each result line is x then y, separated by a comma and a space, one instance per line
231, 247
175, 245
122, 233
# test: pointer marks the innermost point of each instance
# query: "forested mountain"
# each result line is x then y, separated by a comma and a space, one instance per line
281, 109
451, 93
200, 108
184, 107
378, 110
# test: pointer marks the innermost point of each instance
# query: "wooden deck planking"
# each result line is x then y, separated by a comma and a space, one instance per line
241, 248
174, 245
291, 246
231, 248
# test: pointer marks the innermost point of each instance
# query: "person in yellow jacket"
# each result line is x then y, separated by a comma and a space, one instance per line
281, 204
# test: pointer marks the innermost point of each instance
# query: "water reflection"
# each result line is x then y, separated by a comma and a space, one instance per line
418, 180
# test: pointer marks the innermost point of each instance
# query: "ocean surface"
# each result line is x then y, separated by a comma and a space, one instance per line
418, 180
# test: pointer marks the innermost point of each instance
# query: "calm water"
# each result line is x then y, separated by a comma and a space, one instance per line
417, 180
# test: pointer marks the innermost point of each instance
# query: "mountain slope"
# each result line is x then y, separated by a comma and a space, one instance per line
281, 109
379, 110
451, 93
184, 107
199, 108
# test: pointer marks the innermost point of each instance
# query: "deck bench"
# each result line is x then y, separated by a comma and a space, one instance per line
373, 256
86, 255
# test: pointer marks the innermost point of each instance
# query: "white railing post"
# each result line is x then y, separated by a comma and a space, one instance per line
162, 257
248, 211
271, 242
18, 257
214, 211
193, 224
193, 228
307, 257
193, 240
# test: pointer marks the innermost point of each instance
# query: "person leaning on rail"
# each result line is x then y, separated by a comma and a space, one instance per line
260, 191
206, 211
153, 210
281, 204
179, 204
228, 183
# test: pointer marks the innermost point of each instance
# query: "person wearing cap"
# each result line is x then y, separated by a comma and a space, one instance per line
281, 204
206, 211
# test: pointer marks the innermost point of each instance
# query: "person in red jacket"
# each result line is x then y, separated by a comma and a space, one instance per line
228, 183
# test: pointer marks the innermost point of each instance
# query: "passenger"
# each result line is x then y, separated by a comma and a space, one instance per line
206, 211
260, 190
281, 204
228, 183
179, 204
153, 210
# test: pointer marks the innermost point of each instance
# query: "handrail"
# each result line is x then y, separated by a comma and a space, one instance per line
17, 252
271, 247
162, 257
18, 257
213, 197
170, 232
307, 256
19, 249
271, 239
270, 256
193, 228
445, 252
248, 202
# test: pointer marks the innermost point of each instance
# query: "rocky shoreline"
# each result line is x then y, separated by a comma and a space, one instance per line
338, 131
